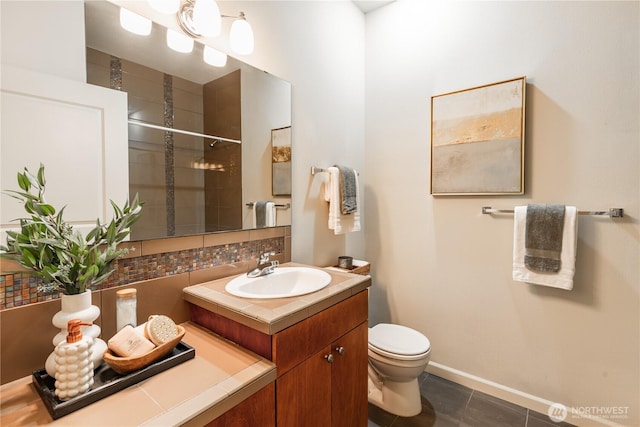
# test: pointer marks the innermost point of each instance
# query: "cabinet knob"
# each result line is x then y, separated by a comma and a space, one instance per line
329, 358
340, 350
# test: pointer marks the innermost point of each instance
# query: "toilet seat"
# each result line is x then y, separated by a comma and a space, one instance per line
398, 342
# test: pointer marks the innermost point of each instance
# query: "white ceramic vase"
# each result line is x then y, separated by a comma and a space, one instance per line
77, 307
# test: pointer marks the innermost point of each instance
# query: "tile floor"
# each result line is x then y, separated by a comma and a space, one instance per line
447, 404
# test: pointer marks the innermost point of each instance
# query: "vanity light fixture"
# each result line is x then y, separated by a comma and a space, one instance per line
201, 18
135, 23
214, 57
197, 18
179, 42
241, 35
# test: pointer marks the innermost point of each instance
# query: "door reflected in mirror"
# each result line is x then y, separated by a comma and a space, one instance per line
201, 138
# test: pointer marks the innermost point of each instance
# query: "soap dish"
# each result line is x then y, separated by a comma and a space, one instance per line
124, 365
359, 267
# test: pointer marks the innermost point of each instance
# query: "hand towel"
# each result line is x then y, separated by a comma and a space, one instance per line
260, 214
337, 222
270, 220
543, 237
264, 214
348, 188
563, 279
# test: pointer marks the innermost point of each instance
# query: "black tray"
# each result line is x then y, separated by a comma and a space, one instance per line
105, 382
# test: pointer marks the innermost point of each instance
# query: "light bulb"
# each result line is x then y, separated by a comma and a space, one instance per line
206, 18
165, 6
241, 36
179, 42
214, 57
135, 23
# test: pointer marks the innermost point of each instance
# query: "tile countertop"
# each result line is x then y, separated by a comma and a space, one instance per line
270, 316
220, 376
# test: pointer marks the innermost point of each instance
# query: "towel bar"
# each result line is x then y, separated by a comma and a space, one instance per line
612, 212
285, 206
315, 170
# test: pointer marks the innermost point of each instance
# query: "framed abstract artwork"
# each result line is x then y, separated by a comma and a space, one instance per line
477, 140
281, 161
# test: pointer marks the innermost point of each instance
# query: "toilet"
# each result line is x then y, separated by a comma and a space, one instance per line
397, 356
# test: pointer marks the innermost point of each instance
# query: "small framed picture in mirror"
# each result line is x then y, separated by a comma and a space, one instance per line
281, 161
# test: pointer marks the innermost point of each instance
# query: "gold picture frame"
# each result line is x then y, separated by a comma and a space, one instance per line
477, 140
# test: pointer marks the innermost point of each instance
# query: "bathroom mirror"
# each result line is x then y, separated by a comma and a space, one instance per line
206, 174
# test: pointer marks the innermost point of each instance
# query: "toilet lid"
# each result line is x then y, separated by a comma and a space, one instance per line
398, 339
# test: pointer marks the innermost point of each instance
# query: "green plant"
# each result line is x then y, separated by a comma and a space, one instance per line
50, 248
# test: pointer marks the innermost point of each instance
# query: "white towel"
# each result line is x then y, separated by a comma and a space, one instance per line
339, 223
562, 279
271, 214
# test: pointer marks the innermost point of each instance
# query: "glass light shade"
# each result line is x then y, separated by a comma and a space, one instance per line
135, 23
165, 6
179, 42
241, 36
214, 57
206, 18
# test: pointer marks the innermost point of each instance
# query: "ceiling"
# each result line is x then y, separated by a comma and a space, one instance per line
369, 5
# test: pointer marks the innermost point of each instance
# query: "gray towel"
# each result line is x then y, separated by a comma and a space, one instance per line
543, 237
348, 199
261, 214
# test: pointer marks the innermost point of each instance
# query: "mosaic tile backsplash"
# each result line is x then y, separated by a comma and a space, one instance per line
20, 289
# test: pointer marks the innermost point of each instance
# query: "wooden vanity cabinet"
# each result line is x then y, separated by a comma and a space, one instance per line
321, 362
322, 367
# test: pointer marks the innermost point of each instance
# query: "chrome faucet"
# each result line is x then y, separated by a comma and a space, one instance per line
265, 266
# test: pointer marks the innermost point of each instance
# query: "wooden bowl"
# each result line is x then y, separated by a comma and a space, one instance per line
124, 365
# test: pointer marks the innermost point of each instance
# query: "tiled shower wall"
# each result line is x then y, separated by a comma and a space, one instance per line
159, 161
175, 193
223, 172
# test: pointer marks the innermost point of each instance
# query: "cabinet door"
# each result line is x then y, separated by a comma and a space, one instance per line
349, 379
256, 410
304, 393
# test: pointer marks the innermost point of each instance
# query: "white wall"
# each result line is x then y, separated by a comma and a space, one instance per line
442, 267
32, 39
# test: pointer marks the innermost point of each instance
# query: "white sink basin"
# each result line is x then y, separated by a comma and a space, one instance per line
282, 283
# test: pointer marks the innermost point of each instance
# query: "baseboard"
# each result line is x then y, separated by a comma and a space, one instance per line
512, 395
